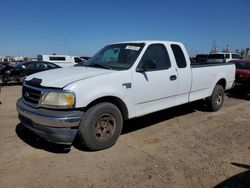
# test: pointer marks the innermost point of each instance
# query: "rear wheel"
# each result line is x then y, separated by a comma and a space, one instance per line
216, 100
101, 126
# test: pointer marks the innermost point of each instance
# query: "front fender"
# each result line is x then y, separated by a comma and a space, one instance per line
110, 85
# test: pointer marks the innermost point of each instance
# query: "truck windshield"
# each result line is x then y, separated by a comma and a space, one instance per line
116, 56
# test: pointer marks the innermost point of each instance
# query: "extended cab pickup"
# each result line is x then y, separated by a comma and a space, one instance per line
122, 81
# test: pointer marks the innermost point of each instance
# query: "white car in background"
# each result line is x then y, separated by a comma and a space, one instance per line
222, 57
61, 60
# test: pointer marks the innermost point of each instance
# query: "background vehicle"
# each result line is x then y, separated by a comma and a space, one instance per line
84, 58
19, 71
201, 58
122, 81
222, 57
3, 64
61, 60
242, 73
5, 68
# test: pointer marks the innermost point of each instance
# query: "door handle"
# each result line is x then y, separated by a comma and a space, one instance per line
173, 77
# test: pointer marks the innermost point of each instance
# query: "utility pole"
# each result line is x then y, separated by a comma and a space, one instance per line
247, 50
214, 47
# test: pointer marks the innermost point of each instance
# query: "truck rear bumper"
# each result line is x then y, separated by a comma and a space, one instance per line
54, 126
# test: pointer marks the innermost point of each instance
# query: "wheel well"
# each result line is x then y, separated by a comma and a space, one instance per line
114, 100
222, 82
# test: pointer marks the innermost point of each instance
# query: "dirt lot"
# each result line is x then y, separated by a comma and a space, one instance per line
180, 147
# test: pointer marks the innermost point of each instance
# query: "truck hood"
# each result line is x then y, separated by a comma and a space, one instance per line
61, 77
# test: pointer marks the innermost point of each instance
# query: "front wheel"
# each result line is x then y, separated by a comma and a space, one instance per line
101, 126
216, 100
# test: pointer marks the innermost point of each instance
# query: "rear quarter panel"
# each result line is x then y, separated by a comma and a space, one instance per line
204, 79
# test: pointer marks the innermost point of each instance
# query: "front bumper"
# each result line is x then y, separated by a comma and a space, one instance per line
56, 126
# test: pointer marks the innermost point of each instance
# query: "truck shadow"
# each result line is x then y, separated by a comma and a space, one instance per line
239, 93
164, 115
237, 181
34, 141
10, 84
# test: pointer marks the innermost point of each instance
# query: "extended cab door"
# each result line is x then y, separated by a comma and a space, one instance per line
154, 81
184, 73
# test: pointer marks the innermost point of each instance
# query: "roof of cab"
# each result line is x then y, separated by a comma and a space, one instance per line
149, 42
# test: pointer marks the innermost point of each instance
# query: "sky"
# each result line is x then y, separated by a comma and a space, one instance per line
82, 27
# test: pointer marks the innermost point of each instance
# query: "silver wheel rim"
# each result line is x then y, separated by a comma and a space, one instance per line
218, 98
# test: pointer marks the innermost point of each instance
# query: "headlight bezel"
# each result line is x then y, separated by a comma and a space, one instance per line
51, 106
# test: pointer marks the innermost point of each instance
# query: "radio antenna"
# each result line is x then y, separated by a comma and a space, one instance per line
66, 44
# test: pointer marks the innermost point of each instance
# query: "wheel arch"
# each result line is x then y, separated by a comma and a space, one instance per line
222, 82
113, 100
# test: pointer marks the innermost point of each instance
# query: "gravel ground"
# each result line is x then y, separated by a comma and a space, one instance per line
186, 146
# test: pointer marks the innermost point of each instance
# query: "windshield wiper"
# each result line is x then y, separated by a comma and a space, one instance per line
99, 65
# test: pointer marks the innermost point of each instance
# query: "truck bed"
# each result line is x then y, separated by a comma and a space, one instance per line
205, 76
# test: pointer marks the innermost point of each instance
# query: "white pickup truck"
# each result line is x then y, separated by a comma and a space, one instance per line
122, 81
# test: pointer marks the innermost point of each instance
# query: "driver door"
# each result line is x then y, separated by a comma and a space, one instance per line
155, 87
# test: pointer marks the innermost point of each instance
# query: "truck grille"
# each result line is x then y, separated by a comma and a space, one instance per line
31, 95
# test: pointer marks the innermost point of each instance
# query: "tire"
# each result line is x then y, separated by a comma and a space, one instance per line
20, 81
2, 81
216, 100
101, 126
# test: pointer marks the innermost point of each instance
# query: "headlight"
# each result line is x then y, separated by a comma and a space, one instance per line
58, 100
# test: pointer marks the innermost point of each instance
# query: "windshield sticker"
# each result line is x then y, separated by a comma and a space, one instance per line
136, 48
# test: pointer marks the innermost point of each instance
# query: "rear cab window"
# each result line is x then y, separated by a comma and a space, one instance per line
179, 56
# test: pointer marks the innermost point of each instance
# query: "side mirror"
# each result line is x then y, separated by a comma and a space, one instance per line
147, 65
